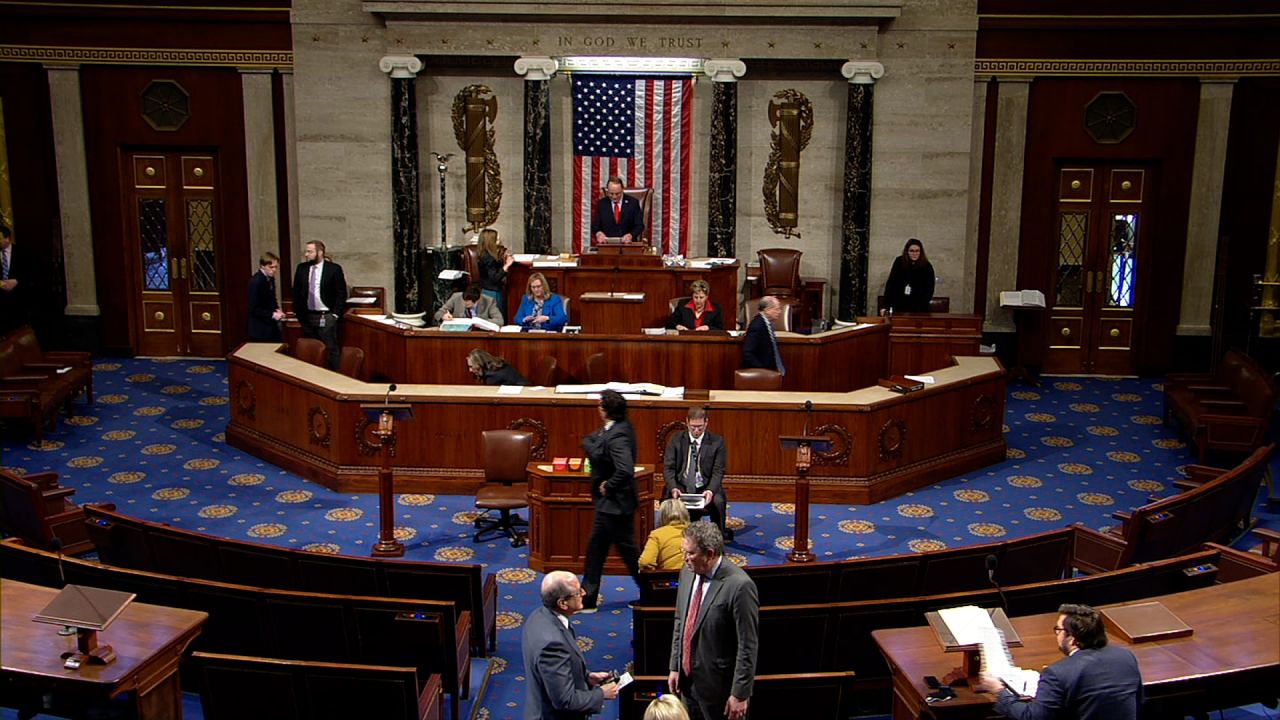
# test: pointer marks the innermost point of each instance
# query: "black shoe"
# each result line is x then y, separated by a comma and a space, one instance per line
588, 608
728, 534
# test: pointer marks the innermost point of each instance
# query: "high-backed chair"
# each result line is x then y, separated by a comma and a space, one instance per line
360, 292
312, 351
544, 374
471, 262
779, 271
597, 369
351, 362
506, 455
37, 510
644, 196
756, 379
788, 312
676, 302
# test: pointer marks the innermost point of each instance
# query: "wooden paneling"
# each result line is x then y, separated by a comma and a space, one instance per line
920, 342
561, 514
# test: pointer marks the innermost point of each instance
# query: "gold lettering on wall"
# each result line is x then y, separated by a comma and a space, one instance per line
629, 42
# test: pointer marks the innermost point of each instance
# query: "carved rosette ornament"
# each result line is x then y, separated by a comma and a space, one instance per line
473, 116
367, 442
538, 450
842, 445
246, 399
791, 115
318, 427
983, 412
893, 436
664, 435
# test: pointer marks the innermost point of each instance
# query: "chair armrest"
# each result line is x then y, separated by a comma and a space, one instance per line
1203, 473
69, 357
1270, 542
1185, 485
43, 480
1122, 515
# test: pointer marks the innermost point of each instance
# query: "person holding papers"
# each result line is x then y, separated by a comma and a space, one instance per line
470, 303
911, 280
559, 685
1094, 682
699, 313
612, 452
494, 264
541, 309
493, 370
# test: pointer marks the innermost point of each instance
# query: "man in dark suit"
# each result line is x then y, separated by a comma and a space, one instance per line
693, 464
470, 303
557, 682
1094, 682
319, 298
264, 309
13, 311
616, 215
612, 452
714, 643
760, 345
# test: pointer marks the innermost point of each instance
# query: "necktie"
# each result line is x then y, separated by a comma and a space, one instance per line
617, 212
777, 356
4, 271
471, 312
313, 299
690, 620
692, 470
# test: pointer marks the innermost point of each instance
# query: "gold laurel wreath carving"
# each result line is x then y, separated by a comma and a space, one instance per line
492, 169
771, 175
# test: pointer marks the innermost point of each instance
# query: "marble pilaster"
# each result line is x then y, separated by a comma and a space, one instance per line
855, 225
73, 189
722, 173
260, 163
1212, 128
1006, 198
291, 158
406, 239
537, 72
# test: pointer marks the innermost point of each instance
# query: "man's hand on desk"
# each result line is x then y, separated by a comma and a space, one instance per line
626, 238
446, 316
600, 237
987, 684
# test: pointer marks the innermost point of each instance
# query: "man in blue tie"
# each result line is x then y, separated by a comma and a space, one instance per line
12, 311
760, 346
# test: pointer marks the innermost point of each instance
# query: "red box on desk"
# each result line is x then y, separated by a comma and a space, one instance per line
559, 464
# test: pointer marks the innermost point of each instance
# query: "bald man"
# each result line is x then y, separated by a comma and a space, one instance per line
558, 684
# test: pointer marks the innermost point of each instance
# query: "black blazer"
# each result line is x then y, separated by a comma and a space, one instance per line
712, 458
919, 277
757, 348
262, 304
333, 287
505, 375
632, 221
683, 315
613, 462
13, 305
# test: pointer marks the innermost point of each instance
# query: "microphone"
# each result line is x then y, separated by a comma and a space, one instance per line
808, 415
613, 281
56, 545
390, 389
993, 564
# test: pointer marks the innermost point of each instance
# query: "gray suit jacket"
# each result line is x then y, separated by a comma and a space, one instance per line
556, 683
1099, 684
486, 309
725, 644
712, 458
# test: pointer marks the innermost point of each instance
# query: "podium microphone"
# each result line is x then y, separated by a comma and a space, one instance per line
56, 545
613, 282
993, 564
808, 415
390, 389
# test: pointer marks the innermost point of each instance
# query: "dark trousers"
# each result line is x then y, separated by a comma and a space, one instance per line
609, 529
698, 711
310, 322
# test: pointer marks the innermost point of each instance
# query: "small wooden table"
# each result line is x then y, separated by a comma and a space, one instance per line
561, 513
149, 641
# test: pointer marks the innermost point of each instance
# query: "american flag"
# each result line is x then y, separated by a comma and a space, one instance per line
640, 130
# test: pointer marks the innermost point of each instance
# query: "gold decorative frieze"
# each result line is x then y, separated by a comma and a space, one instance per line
1126, 67
145, 56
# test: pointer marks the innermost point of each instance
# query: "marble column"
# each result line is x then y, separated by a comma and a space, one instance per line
722, 176
260, 163
73, 194
291, 162
855, 224
537, 72
1206, 207
406, 239
1007, 165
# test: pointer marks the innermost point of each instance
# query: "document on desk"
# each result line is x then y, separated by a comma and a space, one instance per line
510, 389
621, 387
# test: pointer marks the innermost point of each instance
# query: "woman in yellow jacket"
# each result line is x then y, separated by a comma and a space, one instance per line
662, 551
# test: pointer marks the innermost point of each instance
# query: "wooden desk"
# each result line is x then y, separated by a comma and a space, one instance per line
659, 284
149, 641
918, 341
561, 513
603, 313
308, 419
1232, 658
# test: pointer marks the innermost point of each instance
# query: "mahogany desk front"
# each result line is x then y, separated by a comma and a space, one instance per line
561, 513
149, 641
1232, 658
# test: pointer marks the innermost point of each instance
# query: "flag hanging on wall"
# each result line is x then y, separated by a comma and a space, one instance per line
638, 129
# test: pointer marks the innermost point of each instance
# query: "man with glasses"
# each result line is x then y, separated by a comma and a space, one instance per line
694, 463
1094, 682
557, 682
715, 639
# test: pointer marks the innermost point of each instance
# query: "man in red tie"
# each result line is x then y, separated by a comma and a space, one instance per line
717, 618
616, 215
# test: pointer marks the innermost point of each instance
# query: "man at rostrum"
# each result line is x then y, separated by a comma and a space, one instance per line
557, 682
694, 463
1094, 681
617, 215
714, 643
319, 297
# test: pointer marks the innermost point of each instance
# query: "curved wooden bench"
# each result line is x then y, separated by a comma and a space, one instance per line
1227, 411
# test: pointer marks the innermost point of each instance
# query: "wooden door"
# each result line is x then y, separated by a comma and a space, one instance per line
1099, 224
171, 218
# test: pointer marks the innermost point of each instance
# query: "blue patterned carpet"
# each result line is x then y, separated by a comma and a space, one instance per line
153, 444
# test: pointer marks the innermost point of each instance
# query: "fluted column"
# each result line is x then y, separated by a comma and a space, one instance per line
537, 72
722, 177
855, 226
406, 238
1203, 215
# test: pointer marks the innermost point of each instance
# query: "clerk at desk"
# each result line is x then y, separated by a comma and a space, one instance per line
541, 309
616, 215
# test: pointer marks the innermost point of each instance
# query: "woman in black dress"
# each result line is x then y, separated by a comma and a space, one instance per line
493, 370
910, 285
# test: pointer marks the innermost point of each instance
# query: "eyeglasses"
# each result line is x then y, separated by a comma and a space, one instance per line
1059, 629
